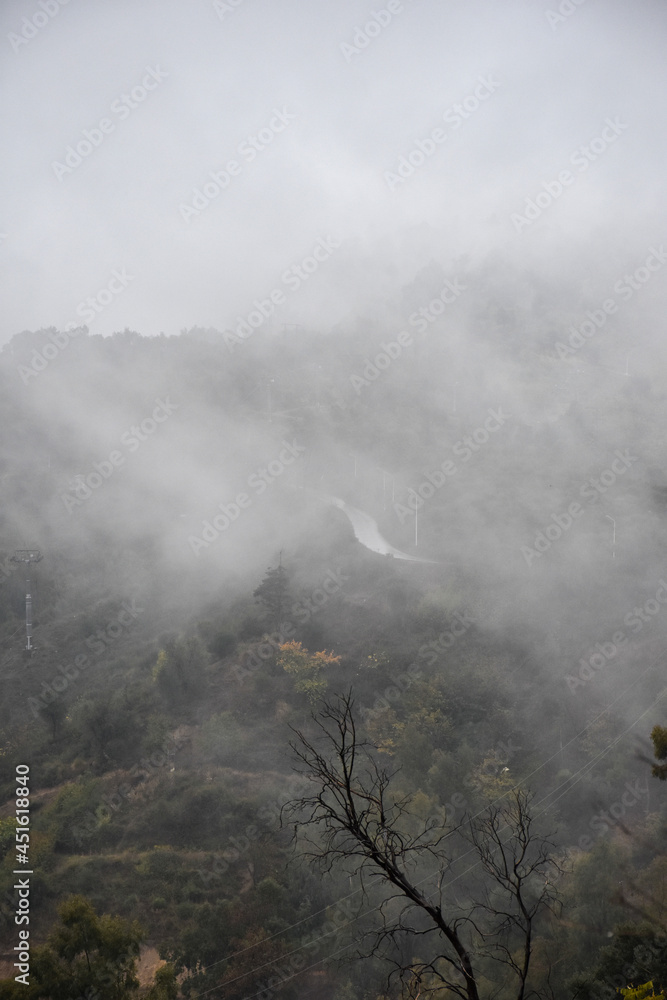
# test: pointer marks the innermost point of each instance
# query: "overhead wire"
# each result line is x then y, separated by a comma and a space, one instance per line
569, 782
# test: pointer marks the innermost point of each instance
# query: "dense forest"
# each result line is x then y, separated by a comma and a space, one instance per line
203, 613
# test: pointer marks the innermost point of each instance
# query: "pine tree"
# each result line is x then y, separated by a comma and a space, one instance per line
659, 739
273, 593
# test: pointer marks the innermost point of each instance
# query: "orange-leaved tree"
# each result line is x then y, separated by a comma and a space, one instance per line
306, 668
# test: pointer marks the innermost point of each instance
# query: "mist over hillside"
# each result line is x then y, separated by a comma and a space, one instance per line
331, 366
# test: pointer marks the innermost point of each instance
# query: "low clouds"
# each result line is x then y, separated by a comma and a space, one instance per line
113, 146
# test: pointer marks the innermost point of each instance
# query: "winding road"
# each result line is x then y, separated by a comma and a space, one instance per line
367, 532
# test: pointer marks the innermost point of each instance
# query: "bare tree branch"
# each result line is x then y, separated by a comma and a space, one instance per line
353, 819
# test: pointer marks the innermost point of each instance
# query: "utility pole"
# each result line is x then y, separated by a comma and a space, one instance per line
27, 556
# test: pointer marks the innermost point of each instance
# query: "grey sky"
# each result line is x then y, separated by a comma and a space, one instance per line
355, 115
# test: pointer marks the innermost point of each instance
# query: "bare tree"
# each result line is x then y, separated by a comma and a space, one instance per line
519, 881
352, 819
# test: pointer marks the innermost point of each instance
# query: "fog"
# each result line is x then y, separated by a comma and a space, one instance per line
521, 94
344, 282
218, 77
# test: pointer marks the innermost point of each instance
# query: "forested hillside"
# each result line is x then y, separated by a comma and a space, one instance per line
333, 500
199, 598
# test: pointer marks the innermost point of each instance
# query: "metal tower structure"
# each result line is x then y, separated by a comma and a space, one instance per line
27, 556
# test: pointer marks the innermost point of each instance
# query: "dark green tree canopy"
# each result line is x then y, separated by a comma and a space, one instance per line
85, 955
273, 594
659, 740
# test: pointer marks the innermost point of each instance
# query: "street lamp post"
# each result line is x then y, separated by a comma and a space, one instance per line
416, 516
613, 542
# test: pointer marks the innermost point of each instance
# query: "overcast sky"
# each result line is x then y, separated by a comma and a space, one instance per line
182, 87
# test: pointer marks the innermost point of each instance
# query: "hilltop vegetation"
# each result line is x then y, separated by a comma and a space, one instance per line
155, 712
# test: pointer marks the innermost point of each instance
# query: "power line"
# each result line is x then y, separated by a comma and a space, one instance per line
568, 782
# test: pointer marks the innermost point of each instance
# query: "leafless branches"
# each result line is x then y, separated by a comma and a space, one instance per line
352, 819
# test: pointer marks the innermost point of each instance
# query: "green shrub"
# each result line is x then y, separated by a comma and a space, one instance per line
223, 644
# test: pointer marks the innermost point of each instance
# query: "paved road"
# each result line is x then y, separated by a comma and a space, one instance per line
368, 533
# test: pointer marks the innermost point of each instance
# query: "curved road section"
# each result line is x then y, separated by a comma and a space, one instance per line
367, 532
